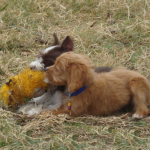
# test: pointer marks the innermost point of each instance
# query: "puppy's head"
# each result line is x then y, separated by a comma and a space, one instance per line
49, 55
71, 70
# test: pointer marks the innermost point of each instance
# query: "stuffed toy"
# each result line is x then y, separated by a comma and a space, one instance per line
22, 87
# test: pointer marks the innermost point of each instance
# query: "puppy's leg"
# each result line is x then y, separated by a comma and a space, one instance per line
140, 89
42, 99
54, 112
61, 110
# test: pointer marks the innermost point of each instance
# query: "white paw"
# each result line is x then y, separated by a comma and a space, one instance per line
137, 116
34, 111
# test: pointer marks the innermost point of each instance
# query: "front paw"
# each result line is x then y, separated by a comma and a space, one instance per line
45, 113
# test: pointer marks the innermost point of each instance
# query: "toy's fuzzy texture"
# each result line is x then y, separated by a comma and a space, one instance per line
21, 87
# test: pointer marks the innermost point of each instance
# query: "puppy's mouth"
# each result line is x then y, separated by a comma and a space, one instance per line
51, 81
46, 80
50, 78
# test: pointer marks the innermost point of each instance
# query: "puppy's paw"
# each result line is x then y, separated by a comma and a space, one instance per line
137, 116
45, 113
34, 111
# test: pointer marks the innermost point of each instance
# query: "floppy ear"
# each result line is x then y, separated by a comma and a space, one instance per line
8, 82
56, 42
67, 44
76, 76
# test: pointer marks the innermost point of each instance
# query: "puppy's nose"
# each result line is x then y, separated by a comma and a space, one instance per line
45, 69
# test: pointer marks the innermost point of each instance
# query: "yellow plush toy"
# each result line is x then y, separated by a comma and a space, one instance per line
22, 87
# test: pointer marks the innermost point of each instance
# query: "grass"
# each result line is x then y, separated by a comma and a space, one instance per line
111, 32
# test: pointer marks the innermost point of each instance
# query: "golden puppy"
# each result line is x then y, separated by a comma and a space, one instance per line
97, 94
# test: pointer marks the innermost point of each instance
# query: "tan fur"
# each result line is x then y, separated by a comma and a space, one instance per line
106, 93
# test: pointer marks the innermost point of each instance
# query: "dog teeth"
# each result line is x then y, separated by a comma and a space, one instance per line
137, 116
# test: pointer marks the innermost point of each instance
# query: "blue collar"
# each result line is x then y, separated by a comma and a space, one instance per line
77, 92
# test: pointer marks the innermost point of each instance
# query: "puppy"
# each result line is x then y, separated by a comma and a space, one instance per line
97, 94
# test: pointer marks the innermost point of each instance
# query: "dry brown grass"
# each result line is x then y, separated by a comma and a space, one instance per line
111, 32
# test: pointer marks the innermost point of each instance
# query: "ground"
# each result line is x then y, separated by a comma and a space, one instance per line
112, 33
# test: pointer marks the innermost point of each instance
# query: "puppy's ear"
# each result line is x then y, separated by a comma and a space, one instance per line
67, 44
8, 82
76, 76
56, 42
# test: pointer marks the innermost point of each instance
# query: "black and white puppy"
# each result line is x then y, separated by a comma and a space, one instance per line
49, 55
50, 99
